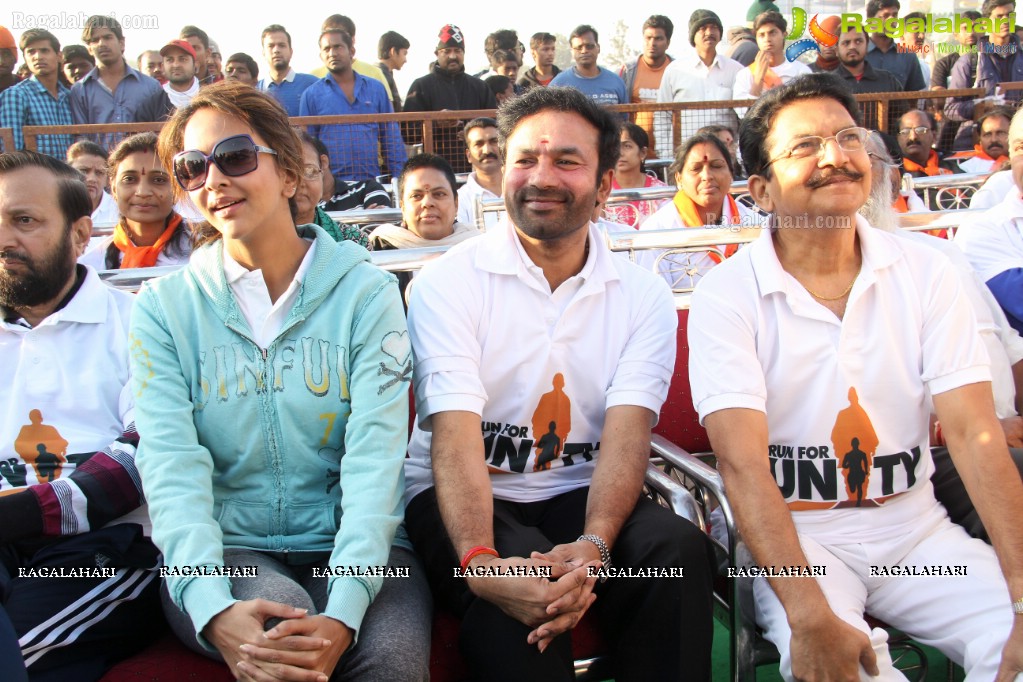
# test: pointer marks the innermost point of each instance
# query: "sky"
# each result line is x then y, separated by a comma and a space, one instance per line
236, 26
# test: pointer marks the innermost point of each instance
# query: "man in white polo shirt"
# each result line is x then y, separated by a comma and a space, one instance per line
993, 241
66, 508
542, 365
814, 352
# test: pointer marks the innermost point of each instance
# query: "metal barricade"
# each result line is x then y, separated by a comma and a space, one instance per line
949, 191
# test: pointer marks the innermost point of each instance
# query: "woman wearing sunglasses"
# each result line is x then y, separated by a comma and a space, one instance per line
149, 231
271, 380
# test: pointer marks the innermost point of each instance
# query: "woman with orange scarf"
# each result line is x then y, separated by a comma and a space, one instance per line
149, 232
703, 173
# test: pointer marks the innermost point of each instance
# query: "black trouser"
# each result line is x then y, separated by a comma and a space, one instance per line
77, 628
951, 493
658, 629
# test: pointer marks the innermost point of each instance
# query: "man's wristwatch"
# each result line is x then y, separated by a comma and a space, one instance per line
605, 553
1017, 606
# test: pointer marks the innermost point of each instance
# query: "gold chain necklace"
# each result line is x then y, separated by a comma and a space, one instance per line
833, 298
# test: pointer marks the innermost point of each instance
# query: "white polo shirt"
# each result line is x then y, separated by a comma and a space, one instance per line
760, 341
66, 385
1003, 343
490, 337
467, 195
993, 241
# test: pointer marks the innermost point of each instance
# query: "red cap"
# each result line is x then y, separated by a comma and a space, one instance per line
180, 44
7, 40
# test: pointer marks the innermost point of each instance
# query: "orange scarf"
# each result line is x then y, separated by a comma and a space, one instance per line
143, 256
981, 154
690, 216
771, 79
932, 167
902, 206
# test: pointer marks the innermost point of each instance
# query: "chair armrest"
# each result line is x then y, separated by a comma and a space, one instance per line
675, 495
738, 601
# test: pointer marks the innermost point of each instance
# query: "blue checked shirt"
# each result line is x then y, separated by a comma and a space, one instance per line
355, 147
29, 103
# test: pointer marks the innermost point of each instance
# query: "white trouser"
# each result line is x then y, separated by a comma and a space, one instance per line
968, 618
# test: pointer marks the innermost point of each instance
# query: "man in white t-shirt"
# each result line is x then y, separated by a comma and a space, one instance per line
484, 182
814, 352
542, 363
72, 524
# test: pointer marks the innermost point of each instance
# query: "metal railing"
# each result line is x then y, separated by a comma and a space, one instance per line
433, 129
631, 242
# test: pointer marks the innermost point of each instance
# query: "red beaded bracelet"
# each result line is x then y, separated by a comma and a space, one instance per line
477, 551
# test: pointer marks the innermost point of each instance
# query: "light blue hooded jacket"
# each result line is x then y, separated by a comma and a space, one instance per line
252, 448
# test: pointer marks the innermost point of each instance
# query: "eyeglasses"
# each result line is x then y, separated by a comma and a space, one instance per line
848, 140
233, 156
312, 172
919, 130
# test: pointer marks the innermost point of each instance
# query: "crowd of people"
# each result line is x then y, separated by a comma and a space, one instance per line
241, 458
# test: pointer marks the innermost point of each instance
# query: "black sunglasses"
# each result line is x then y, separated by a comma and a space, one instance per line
234, 156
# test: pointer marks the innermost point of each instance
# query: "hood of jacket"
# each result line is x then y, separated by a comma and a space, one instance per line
332, 261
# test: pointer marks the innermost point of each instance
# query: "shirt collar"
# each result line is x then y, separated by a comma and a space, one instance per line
290, 76
476, 188
878, 250
234, 271
87, 305
128, 72
501, 252
697, 62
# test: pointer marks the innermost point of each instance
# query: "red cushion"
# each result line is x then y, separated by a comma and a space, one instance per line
169, 660
679, 422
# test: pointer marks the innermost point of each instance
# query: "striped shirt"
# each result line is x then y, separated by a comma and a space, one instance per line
29, 103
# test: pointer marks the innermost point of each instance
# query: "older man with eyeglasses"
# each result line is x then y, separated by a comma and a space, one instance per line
815, 356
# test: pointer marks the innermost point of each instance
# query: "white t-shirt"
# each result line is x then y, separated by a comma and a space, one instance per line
994, 190
993, 241
842, 397
467, 195
490, 337
67, 389
107, 212
914, 203
1003, 343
